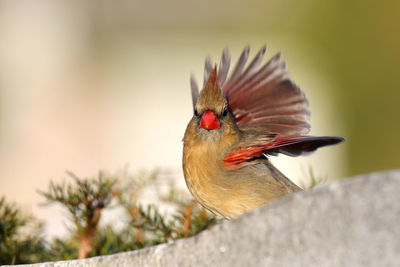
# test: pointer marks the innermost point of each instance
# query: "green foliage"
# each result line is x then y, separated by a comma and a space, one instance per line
64, 248
84, 200
142, 226
110, 241
191, 220
21, 238
156, 229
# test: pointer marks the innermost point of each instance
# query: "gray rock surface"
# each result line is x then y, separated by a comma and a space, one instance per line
354, 222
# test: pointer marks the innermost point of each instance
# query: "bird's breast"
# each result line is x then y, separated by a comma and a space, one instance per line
217, 189
225, 192
203, 170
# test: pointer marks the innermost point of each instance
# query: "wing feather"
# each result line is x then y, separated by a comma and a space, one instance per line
208, 66
271, 145
258, 94
237, 71
224, 66
195, 90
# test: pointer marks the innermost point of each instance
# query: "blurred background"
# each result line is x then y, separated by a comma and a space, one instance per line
90, 85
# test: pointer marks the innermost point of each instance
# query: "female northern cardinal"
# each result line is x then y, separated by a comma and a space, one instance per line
237, 123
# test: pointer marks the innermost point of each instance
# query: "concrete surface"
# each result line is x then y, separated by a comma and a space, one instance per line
354, 222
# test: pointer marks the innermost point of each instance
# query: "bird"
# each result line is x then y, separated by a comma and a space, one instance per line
240, 120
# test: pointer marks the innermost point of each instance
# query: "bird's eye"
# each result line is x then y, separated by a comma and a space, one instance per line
225, 112
195, 112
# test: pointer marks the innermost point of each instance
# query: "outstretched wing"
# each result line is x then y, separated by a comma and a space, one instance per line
267, 144
266, 97
261, 96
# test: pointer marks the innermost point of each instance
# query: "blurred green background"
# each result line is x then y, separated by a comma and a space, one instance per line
88, 85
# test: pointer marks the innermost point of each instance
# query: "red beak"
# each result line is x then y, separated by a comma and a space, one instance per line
209, 121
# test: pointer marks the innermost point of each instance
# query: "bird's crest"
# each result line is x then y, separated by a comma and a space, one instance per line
211, 97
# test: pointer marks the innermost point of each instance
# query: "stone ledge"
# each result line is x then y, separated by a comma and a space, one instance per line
354, 222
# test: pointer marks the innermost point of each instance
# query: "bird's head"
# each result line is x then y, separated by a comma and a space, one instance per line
211, 109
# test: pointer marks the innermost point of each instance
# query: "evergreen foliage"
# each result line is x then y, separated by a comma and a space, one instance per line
21, 236
22, 240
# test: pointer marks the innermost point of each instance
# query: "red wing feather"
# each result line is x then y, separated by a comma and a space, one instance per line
289, 145
266, 97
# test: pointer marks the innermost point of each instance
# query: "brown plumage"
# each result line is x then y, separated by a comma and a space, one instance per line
257, 111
